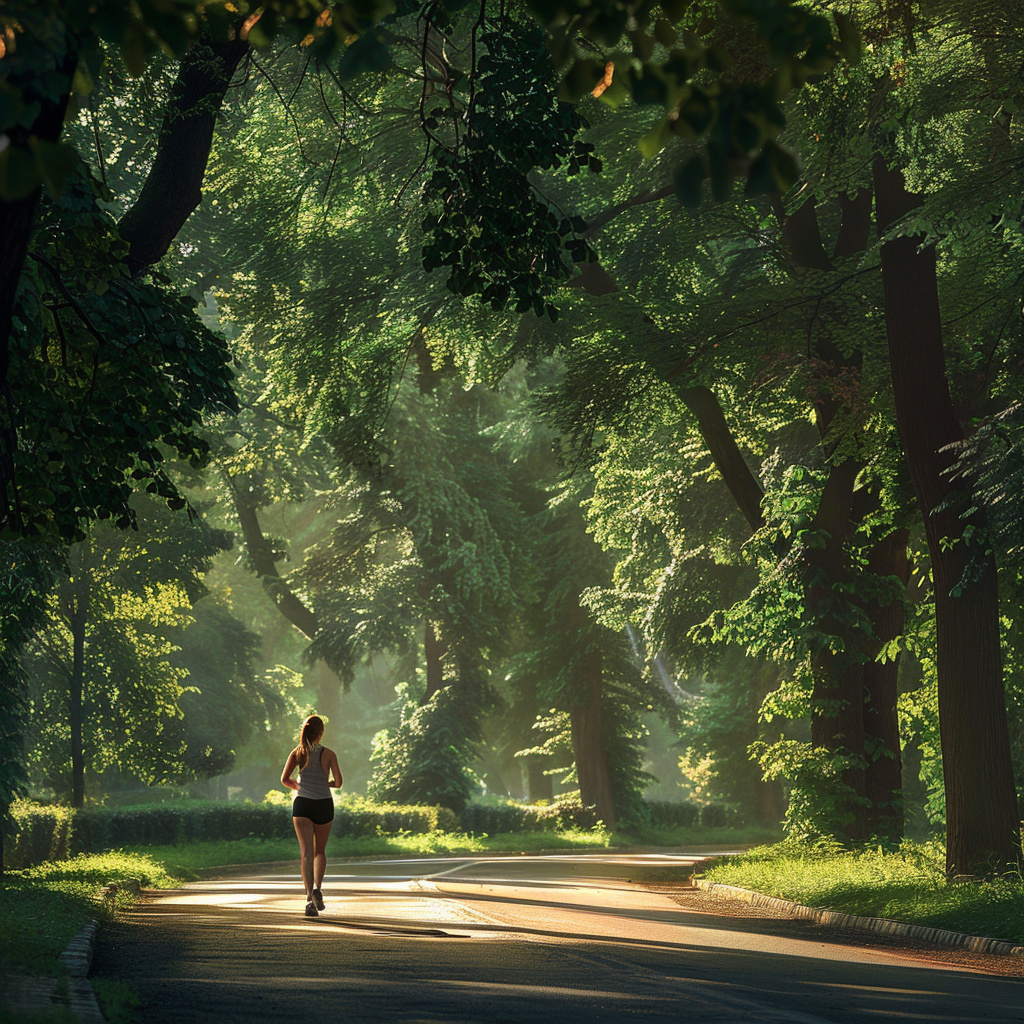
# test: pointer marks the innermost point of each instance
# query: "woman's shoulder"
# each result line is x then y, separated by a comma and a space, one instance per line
326, 751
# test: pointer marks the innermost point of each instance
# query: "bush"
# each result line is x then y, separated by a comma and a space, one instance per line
172, 825
57, 833
425, 758
40, 833
356, 816
494, 819
664, 814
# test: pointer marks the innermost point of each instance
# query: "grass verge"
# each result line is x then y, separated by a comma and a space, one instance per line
42, 908
906, 885
118, 1002
187, 862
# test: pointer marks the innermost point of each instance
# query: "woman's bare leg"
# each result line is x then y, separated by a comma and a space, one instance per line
304, 832
321, 833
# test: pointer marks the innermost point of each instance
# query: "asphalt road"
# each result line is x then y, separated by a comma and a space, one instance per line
509, 941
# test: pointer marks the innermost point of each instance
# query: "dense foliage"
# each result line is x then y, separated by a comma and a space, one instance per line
561, 455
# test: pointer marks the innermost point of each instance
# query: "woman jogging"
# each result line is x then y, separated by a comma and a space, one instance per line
313, 806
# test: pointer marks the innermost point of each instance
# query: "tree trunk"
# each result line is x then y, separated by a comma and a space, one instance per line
588, 746
173, 186
328, 693
76, 685
982, 828
837, 722
854, 223
434, 651
883, 778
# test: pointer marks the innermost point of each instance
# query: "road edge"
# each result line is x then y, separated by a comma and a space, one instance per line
873, 925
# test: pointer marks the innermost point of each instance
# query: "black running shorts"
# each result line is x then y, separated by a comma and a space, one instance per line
320, 812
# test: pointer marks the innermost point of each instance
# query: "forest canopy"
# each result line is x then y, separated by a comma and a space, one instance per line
546, 393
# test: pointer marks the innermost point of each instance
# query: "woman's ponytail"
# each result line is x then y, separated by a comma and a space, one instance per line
309, 736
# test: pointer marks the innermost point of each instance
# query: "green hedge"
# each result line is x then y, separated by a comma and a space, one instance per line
663, 814
56, 833
492, 819
102, 829
42, 834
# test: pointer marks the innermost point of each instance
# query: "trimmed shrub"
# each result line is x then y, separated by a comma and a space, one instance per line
717, 815
355, 816
664, 814
41, 833
172, 825
492, 819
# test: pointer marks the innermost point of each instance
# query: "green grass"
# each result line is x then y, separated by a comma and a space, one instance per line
699, 838
118, 1002
907, 885
188, 862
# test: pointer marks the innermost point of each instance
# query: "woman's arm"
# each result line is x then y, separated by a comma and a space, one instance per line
286, 773
334, 769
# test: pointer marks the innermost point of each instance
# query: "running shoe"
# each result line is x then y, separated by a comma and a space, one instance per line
318, 899
311, 910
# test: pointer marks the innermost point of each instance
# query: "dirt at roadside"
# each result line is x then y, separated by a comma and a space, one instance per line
718, 904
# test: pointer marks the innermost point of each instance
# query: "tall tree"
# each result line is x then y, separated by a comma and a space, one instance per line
103, 684
982, 824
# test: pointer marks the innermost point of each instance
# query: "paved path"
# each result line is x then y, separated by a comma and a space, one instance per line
516, 940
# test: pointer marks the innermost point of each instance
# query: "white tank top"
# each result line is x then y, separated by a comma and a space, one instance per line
313, 780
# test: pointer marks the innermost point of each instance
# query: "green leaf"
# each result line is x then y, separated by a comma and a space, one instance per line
657, 139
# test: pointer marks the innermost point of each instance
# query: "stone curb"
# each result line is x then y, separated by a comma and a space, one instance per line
875, 925
77, 957
82, 1001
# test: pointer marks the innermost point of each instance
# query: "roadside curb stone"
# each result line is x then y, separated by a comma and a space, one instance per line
874, 925
77, 955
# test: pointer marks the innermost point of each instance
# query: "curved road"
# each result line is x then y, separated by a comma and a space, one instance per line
510, 940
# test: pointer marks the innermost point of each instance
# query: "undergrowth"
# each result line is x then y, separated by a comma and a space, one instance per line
118, 1002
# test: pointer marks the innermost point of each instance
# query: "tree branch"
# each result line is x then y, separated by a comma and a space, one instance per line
262, 556
612, 212
173, 186
728, 459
